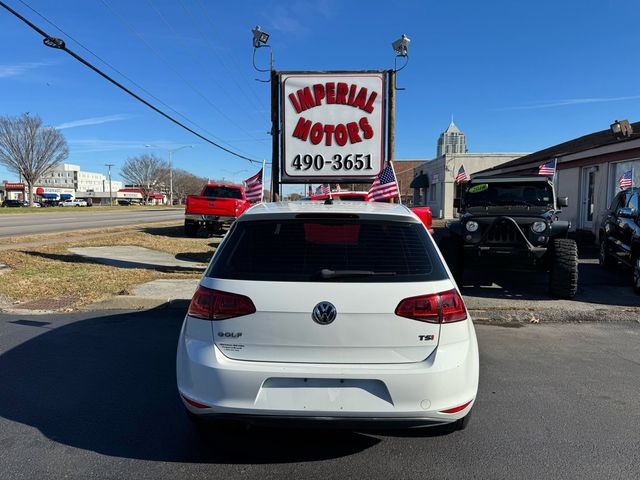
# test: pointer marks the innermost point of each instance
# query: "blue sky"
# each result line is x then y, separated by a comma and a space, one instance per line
516, 75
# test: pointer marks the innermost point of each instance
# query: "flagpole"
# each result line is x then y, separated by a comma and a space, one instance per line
397, 182
264, 172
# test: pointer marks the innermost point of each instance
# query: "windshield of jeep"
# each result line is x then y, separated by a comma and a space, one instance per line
527, 194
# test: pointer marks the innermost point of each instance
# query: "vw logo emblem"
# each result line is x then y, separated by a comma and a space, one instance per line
324, 313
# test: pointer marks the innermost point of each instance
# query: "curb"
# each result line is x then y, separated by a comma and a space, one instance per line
521, 317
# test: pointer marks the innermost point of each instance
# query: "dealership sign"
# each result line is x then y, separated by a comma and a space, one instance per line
333, 126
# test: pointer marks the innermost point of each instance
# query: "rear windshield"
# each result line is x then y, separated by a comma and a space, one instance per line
310, 250
222, 192
521, 193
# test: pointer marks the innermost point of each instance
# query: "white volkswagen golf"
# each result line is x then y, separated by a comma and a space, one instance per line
343, 314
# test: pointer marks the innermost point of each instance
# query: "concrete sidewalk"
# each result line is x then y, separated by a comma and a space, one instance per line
124, 256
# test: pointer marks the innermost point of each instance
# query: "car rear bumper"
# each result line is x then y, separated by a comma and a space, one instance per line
405, 394
201, 218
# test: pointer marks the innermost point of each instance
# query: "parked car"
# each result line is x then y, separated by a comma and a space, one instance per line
217, 206
513, 222
423, 213
7, 203
620, 234
73, 203
341, 313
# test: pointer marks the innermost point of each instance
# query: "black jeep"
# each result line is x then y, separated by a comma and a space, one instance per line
513, 222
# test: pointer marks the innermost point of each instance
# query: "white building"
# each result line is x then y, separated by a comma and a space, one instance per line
588, 173
434, 180
70, 176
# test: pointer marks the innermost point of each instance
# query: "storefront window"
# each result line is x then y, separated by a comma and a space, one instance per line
619, 169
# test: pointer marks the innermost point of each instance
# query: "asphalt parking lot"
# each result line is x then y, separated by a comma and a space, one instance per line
92, 395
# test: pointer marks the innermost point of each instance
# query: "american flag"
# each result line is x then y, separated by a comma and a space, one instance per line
384, 186
548, 169
323, 189
253, 187
625, 180
462, 175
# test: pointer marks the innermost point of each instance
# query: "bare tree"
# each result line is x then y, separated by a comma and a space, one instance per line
30, 149
186, 183
146, 172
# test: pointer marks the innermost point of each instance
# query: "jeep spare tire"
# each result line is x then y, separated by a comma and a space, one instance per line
563, 274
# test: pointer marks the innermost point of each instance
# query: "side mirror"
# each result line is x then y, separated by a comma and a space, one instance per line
456, 203
626, 212
563, 201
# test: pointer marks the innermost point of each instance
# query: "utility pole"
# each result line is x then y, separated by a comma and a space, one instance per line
171, 177
110, 191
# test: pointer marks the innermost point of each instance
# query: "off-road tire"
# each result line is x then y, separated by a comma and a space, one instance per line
604, 257
563, 273
190, 229
453, 255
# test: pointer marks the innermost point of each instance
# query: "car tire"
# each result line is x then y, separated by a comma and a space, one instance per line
453, 255
463, 422
604, 257
563, 274
207, 426
636, 274
191, 229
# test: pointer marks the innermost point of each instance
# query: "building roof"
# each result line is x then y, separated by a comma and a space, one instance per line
580, 144
452, 128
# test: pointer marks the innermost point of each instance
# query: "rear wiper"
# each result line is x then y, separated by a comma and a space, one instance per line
477, 203
326, 273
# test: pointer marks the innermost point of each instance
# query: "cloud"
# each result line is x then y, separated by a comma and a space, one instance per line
569, 102
92, 145
93, 121
20, 69
286, 20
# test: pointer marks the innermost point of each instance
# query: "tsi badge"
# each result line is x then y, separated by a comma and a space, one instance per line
324, 313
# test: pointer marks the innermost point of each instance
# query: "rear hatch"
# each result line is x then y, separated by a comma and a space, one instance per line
212, 206
363, 268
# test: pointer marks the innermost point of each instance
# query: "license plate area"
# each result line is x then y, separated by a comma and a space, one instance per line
324, 395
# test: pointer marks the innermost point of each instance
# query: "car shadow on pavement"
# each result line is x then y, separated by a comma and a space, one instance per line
199, 257
107, 384
178, 232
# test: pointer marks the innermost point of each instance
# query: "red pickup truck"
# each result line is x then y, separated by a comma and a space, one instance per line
216, 206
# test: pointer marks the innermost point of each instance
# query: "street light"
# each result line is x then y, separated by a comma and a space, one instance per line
401, 46
259, 37
110, 191
171, 152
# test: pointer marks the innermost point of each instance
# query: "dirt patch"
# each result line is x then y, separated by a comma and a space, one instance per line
51, 272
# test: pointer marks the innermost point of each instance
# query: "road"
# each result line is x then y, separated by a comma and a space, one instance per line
33, 223
93, 396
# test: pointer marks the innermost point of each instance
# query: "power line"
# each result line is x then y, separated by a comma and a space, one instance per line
58, 43
212, 48
122, 74
254, 107
163, 59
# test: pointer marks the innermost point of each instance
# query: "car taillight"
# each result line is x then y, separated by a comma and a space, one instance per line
444, 307
211, 304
